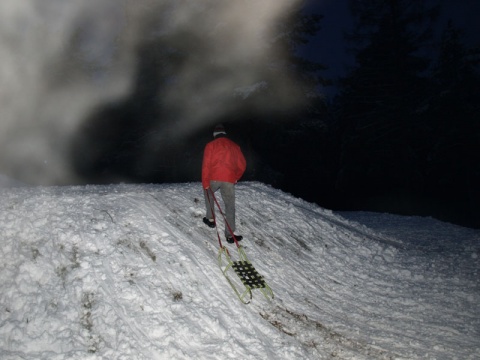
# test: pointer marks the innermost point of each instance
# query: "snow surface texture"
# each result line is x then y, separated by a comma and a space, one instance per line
130, 272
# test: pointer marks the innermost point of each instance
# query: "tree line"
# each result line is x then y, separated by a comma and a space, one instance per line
401, 135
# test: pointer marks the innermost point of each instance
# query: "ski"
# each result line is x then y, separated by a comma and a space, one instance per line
249, 277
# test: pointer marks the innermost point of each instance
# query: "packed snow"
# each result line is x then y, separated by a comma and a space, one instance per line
131, 272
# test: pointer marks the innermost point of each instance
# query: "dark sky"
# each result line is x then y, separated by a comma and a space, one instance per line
329, 45
330, 49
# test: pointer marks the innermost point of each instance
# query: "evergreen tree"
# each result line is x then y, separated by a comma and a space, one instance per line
452, 169
381, 98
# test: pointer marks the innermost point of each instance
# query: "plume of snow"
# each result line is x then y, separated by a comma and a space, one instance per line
59, 60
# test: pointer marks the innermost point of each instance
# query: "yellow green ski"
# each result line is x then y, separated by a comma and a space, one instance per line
249, 277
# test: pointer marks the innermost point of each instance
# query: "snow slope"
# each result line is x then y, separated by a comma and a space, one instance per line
130, 272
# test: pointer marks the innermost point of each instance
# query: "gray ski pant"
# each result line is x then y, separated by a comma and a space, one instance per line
227, 190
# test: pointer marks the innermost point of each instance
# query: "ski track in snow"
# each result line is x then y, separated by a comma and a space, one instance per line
131, 272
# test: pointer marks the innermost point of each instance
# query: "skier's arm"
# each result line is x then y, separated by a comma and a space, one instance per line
206, 167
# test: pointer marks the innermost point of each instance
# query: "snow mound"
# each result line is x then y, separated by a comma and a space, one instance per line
130, 272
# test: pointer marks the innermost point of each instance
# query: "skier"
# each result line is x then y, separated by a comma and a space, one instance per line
223, 165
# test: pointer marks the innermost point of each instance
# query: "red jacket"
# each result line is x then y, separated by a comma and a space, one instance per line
222, 161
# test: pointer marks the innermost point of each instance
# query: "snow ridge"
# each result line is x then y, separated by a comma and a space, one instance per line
130, 272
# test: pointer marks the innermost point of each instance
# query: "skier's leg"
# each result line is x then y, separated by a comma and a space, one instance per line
209, 201
228, 195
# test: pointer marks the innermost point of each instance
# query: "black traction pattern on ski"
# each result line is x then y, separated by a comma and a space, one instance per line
248, 274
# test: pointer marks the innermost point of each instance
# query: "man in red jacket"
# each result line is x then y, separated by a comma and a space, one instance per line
223, 165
